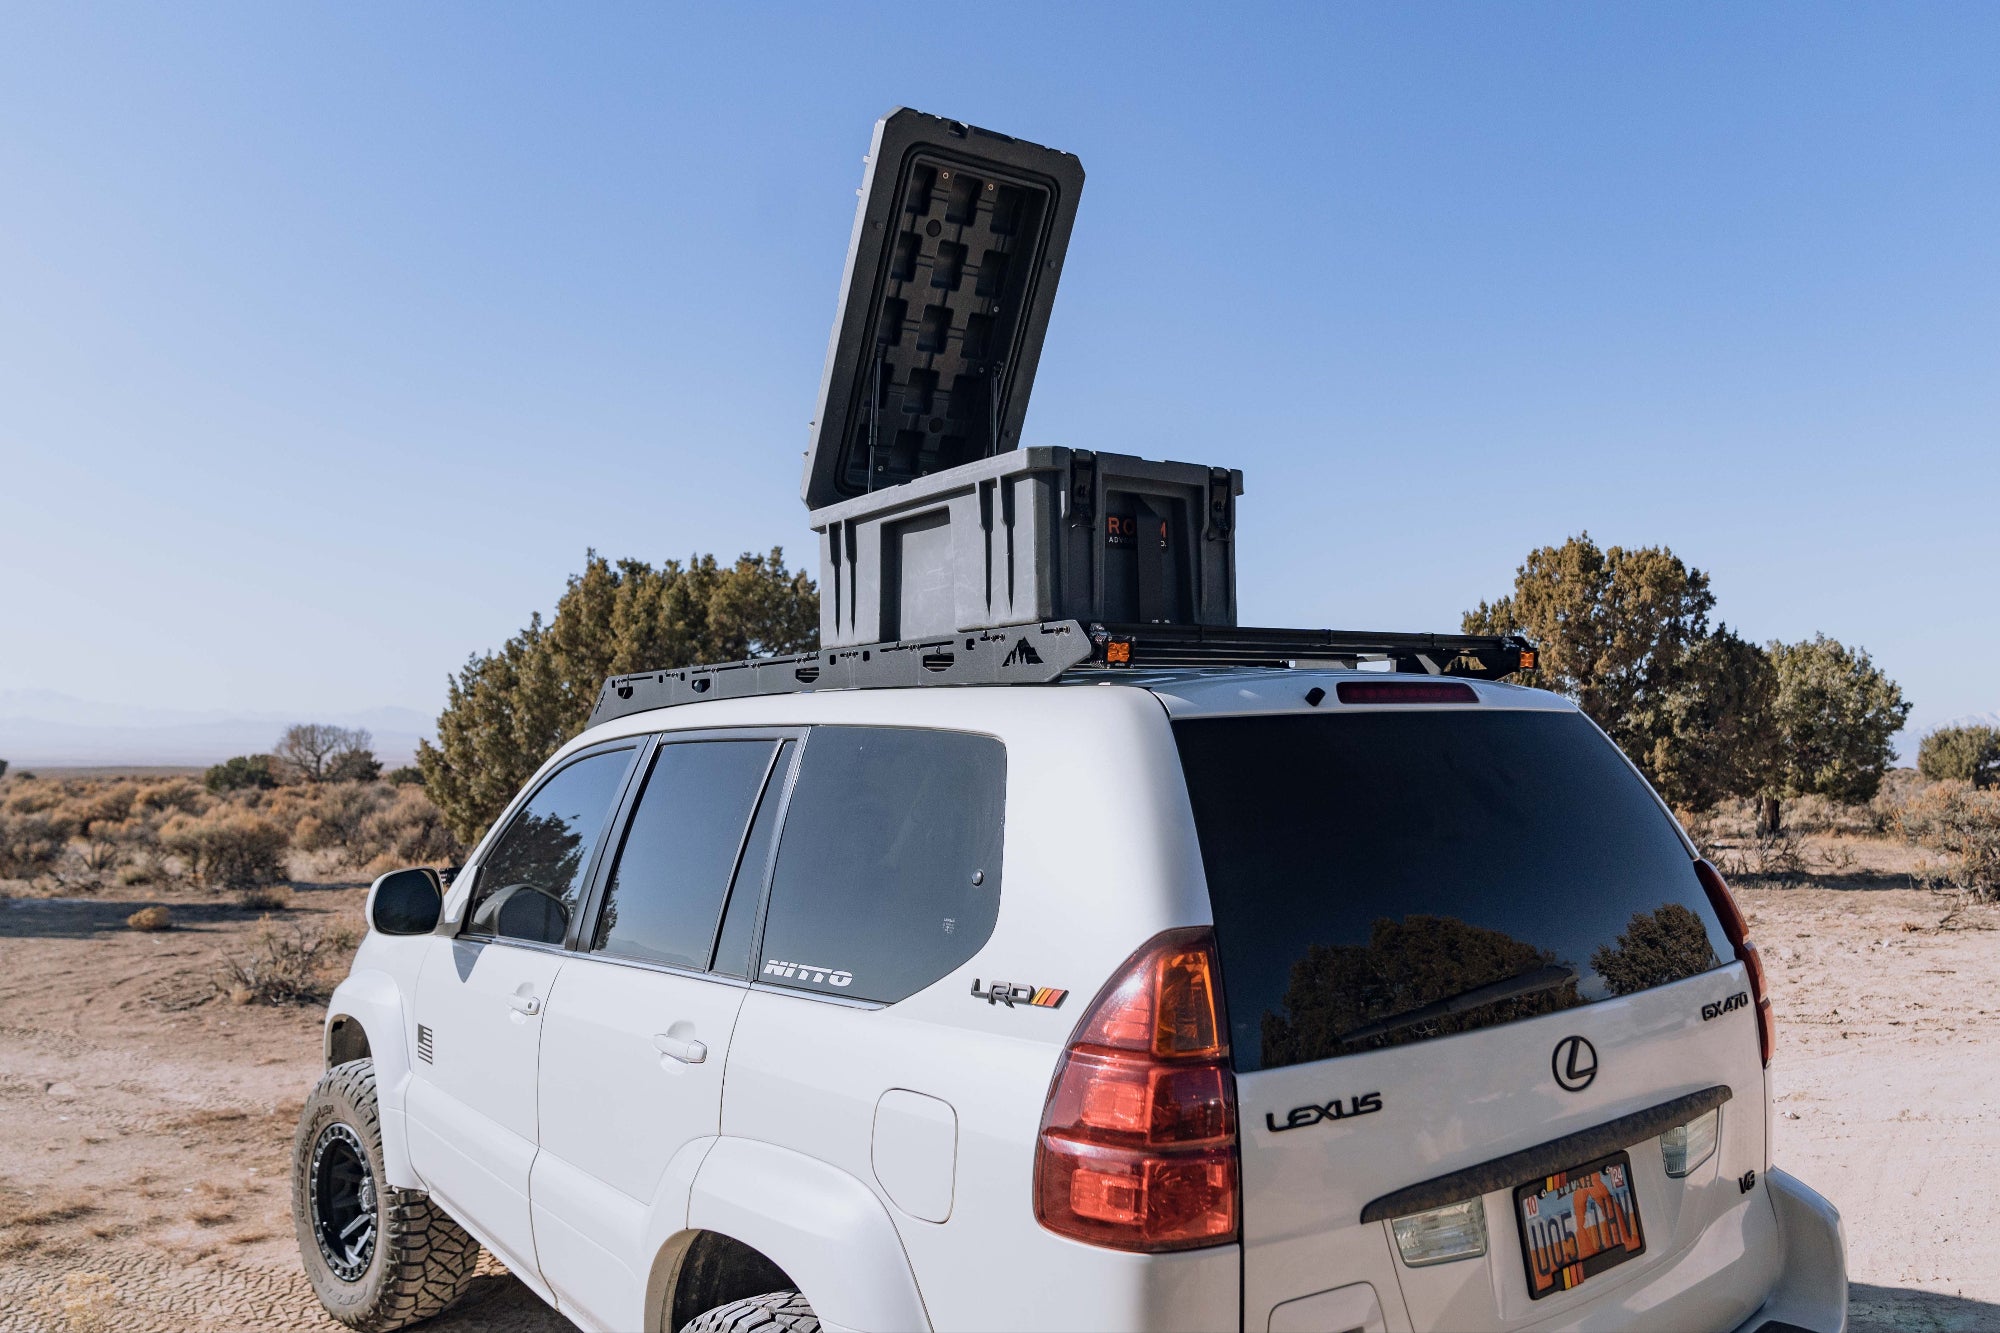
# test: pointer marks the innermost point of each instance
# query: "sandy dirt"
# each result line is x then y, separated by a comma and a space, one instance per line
145, 1129
145, 1124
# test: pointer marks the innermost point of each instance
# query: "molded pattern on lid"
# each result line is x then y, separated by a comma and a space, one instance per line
951, 272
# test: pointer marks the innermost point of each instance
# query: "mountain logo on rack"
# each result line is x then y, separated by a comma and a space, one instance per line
1021, 654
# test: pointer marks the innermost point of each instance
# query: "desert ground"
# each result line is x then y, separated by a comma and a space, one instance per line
147, 1118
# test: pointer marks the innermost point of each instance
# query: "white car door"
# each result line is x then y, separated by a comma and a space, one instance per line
636, 1038
481, 997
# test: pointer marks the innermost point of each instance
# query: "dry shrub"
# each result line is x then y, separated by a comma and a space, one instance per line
333, 814
1778, 860
32, 843
81, 1302
366, 823
100, 802
156, 917
182, 795
104, 849
1820, 814
272, 898
29, 798
409, 831
287, 963
1963, 824
228, 848
138, 872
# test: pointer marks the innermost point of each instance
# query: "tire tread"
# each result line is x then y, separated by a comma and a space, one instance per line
773, 1312
426, 1257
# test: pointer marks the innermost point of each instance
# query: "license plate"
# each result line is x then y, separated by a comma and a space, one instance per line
1578, 1223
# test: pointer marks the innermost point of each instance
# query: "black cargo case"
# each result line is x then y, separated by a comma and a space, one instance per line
1036, 534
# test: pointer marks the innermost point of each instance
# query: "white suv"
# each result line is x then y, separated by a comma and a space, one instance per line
1306, 999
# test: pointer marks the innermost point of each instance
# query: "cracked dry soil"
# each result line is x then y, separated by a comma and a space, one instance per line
145, 1126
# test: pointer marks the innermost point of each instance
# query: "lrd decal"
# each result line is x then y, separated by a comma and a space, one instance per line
1313, 1113
1011, 993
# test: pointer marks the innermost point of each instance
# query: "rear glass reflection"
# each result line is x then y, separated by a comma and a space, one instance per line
1385, 878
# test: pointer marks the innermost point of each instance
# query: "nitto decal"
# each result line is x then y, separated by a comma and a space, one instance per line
1011, 993
1313, 1113
828, 976
1717, 1008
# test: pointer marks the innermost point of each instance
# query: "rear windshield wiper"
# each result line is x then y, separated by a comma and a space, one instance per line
1512, 988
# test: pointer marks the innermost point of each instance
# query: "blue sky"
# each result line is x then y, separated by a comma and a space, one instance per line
330, 338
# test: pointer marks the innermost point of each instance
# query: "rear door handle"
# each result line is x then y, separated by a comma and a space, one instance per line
689, 1052
526, 1004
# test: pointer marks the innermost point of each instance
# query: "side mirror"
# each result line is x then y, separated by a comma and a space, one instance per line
406, 902
524, 912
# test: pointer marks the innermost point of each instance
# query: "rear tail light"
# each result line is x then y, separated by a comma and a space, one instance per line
1138, 1143
1738, 930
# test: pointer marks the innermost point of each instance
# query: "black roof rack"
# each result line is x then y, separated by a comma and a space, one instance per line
1035, 654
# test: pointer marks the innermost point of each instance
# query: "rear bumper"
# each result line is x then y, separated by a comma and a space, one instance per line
1811, 1291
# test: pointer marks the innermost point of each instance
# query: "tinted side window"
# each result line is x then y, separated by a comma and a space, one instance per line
739, 918
888, 871
668, 882
530, 883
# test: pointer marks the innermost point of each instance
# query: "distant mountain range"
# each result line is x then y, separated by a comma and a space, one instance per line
42, 727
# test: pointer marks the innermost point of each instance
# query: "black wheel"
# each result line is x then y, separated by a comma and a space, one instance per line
379, 1258
773, 1312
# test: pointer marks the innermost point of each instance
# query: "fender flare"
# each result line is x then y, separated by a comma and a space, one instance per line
373, 999
825, 1228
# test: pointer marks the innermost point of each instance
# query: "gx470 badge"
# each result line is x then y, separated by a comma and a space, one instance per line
1011, 993
1717, 1008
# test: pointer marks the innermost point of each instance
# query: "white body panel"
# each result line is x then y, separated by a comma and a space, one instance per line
615, 1111
472, 1111
884, 1156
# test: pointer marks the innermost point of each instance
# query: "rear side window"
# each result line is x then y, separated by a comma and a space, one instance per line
888, 872
530, 883
667, 886
1384, 878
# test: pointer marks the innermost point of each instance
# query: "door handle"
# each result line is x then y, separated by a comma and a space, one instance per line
526, 1004
688, 1052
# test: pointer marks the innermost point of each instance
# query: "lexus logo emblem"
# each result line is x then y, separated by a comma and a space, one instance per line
1575, 1063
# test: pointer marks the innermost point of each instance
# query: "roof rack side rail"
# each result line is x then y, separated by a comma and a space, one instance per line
1034, 654
1480, 656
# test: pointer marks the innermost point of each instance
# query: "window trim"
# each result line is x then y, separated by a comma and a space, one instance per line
462, 929
584, 927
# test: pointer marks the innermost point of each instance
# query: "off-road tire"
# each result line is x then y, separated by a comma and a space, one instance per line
422, 1261
773, 1312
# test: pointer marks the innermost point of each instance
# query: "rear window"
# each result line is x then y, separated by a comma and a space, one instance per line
1385, 878
888, 872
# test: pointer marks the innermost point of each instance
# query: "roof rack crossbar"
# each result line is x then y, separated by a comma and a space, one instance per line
1037, 653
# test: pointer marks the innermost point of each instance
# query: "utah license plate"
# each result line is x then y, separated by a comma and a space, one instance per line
1577, 1223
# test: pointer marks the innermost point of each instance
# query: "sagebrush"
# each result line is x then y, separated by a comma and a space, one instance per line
89, 833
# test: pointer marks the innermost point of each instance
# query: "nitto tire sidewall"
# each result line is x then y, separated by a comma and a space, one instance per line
333, 1102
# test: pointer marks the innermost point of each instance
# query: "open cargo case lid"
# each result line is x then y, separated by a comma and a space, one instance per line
951, 272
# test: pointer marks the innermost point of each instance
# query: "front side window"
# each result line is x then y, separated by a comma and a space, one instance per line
667, 886
531, 882
1385, 878
888, 871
